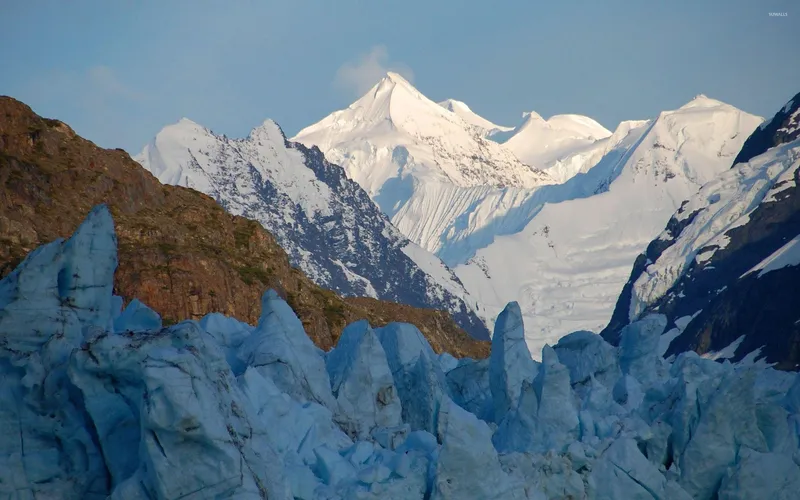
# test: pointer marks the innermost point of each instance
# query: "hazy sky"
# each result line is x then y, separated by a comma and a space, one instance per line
119, 70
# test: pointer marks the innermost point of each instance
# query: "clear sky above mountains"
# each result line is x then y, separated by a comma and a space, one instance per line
118, 71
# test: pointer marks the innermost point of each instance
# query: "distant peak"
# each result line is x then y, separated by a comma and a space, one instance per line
453, 105
532, 115
396, 78
391, 82
187, 121
702, 101
184, 125
268, 129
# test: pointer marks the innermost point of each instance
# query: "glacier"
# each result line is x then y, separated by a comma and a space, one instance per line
97, 401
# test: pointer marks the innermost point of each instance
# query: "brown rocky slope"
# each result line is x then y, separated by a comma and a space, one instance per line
179, 252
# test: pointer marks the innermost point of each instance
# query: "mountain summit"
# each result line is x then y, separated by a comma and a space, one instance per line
394, 130
460, 108
569, 262
561, 240
325, 221
563, 145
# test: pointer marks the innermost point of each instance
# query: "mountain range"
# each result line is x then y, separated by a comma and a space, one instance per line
178, 249
551, 215
436, 207
327, 224
103, 396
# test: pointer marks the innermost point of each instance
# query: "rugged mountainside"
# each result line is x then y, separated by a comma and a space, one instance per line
725, 270
782, 128
326, 223
178, 249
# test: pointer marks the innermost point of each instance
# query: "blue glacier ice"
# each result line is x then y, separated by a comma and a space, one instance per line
97, 401
510, 362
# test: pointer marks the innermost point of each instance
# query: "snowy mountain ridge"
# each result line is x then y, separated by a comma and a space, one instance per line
562, 249
393, 129
325, 222
487, 128
715, 270
578, 252
562, 145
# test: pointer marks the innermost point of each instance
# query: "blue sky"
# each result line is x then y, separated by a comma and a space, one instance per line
117, 71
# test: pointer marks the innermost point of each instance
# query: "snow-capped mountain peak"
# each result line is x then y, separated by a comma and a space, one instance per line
455, 106
268, 129
486, 127
568, 263
562, 145
394, 130
713, 271
702, 101
325, 222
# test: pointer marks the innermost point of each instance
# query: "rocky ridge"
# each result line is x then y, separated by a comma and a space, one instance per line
179, 251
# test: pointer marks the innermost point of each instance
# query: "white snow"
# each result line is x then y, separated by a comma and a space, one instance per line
726, 352
424, 166
187, 154
486, 127
573, 258
394, 119
563, 251
563, 145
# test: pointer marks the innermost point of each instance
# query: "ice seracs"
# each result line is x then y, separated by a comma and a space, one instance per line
510, 361
466, 449
280, 350
417, 373
357, 359
92, 412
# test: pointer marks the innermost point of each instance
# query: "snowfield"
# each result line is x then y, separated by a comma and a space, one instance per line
97, 401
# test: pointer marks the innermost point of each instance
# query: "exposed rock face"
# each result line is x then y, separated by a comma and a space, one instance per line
784, 127
179, 252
